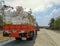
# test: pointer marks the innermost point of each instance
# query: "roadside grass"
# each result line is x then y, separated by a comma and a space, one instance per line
3, 39
0, 31
57, 31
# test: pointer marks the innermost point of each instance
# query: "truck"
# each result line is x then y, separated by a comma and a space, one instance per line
19, 24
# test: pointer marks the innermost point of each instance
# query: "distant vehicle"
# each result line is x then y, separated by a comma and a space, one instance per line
20, 25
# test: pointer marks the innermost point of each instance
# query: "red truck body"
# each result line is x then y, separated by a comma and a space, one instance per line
10, 30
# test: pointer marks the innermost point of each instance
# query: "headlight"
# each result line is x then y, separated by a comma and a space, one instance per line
7, 31
22, 31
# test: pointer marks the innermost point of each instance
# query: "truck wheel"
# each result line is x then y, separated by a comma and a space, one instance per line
36, 32
32, 36
18, 38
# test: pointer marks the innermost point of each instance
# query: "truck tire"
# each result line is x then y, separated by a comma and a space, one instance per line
18, 38
31, 38
36, 32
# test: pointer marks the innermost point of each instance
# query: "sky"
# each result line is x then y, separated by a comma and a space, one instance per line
43, 10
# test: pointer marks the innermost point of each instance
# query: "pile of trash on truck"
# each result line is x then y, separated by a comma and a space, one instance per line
19, 16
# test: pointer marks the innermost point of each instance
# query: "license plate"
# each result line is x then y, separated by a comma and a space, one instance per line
24, 38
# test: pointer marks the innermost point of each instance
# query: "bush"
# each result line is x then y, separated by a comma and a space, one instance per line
55, 24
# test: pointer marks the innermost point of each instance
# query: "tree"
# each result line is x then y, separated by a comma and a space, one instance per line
1, 21
55, 23
51, 22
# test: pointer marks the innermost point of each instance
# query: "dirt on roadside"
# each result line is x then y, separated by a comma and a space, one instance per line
3, 39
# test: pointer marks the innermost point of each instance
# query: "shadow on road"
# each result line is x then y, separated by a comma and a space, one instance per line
20, 43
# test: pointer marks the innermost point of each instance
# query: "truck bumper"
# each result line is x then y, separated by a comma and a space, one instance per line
19, 35
23, 34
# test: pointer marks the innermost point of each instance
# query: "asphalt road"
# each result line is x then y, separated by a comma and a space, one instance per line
42, 39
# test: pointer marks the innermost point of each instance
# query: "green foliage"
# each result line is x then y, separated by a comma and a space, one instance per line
55, 24
1, 20
1, 17
51, 23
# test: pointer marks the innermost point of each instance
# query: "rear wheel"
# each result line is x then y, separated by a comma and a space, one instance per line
31, 36
18, 38
36, 32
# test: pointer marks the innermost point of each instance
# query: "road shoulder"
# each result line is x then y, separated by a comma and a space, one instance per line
55, 36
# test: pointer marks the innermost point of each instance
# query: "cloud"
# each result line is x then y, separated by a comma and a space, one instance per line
17, 3
56, 1
55, 13
40, 8
43, 7
52, 1
46, 4
14, 3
